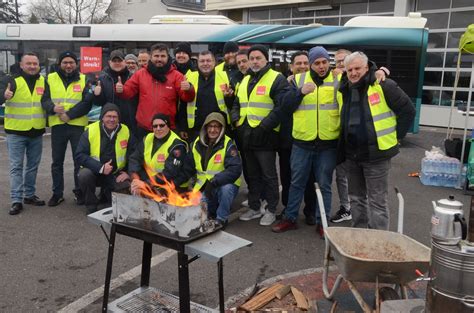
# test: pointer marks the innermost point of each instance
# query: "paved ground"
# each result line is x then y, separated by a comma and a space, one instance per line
52, 258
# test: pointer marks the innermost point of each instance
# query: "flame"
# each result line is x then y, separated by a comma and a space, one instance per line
167, 192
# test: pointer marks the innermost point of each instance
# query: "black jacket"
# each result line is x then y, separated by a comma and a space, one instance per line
107, 151
232, 162
128, 108
359, 143
262, 137
174, 164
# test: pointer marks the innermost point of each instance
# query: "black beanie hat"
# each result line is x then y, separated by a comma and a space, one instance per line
183, 47
260, 48
162, 116
67, 54
230, 46
109, 106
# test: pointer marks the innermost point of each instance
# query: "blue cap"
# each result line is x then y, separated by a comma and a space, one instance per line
316, 53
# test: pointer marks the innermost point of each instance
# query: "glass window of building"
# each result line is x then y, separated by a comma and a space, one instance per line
433, 78
436, 20
280, 13
333, 12
259, 15
432, 4
464, 79
461, 19
381, 6
453, 39
462, 3
452, 60
304, 21
434, 59
295, 13
437, 40
328, 21
430, 97
354, 8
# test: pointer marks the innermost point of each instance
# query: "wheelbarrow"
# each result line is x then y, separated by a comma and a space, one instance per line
370, 255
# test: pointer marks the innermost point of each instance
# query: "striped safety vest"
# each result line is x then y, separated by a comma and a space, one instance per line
156, 163
24, 111
66, 97
215, 164
220, 80
318, 115
385, 121
256, 107
121, 143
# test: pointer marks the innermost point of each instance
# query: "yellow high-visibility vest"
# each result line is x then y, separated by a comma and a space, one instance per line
24, 111
385, 121
215, 165
256, 107
66, 97
318, 115
121, 143
220, 80
156, 163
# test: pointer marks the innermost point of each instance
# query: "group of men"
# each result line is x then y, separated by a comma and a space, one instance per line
177, 120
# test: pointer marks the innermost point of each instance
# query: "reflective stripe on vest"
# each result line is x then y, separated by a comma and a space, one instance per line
318, 115
66, 97
385, 121
121, 143
259, 105
23, 111
156, 164
215, 165
220, 79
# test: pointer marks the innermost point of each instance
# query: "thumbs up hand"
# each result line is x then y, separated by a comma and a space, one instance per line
8, 93
228, 92
97, 89
119, 85
185, 85
108, 168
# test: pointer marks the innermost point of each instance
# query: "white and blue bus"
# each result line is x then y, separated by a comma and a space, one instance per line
398, 43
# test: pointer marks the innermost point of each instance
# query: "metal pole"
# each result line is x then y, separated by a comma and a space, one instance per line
183, 278
108, 271
17, 14
146, 264
221, 285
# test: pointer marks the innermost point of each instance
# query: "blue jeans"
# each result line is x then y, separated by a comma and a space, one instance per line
23, 180
323, 163
221, 201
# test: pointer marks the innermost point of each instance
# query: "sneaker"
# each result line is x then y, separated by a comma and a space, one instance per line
320, 230
283, 226
341, 215
267, 219
33, 200
55, 200
245, 203
221, 223
250, 215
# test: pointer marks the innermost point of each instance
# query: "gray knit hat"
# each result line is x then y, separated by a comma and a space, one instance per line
131, 57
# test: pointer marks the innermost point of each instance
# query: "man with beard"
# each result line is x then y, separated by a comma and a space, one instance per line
229, 66
132, 63
67, 101
255, 114
213, 94
24, 125
105, 90
182, 58
315, 103
159, 87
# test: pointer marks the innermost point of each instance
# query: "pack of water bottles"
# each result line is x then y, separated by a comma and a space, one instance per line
437, 169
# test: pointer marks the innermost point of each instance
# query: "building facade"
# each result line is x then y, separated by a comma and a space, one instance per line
140, 11
447, 21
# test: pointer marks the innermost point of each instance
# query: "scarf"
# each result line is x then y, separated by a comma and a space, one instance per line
159, 73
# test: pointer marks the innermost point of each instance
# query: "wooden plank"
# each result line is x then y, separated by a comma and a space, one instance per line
301, 301
262, 298
280, 294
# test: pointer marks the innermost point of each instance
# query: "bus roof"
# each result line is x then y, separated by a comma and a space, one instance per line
413, 20
191, 19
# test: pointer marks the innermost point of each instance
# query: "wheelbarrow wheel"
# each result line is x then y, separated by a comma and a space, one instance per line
387, 293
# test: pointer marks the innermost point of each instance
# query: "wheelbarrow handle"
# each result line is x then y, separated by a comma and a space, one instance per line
401, 210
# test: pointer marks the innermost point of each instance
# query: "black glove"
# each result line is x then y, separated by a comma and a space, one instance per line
258, 136
209, 190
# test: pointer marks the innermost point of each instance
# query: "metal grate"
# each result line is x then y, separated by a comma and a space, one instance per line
154, 300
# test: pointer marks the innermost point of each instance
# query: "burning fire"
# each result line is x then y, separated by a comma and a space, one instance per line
167, 192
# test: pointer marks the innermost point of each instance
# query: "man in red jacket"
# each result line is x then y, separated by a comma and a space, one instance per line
159, 87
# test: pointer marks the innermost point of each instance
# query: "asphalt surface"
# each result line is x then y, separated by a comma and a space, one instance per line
52, 258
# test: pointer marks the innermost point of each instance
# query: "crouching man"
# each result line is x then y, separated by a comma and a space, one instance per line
217, 165
102, 153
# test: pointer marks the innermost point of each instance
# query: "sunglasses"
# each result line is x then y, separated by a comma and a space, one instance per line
159, 125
